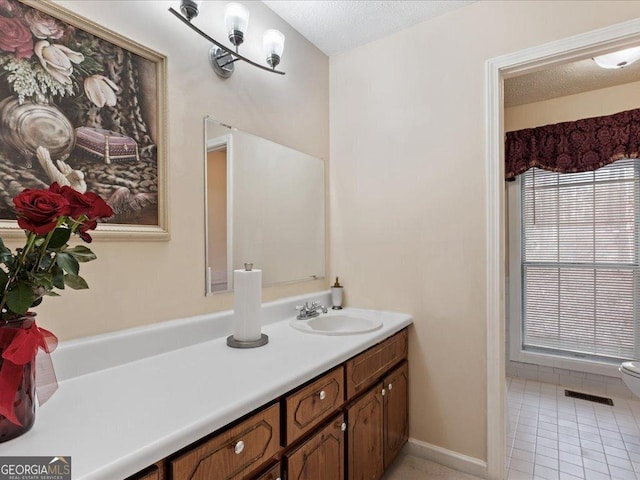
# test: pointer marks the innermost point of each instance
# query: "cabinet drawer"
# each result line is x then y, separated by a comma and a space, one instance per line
231, 454
314, 403
274, 473
369, 367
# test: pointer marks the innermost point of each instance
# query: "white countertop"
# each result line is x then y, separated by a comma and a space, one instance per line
119, 420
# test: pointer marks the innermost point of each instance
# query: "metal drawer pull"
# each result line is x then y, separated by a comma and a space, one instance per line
323, 395
341, 425
239, 447
390, 386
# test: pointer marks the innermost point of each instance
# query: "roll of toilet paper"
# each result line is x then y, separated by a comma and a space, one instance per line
247, 303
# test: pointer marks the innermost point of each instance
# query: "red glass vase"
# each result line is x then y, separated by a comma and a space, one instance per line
24, 400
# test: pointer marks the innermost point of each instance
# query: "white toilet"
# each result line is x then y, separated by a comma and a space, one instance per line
631, 376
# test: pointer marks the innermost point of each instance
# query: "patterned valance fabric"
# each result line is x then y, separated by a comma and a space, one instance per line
569, 147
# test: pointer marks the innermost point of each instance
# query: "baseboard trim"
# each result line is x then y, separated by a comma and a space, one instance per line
448, 458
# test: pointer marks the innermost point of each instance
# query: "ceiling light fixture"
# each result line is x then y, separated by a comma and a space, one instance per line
236, 20
619, 59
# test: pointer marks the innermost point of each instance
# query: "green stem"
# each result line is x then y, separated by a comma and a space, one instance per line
77, 222
45, 244
31, 238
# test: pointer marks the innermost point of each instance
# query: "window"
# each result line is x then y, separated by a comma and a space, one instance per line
578, 262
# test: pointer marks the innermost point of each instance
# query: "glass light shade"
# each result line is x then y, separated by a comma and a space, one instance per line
236, 18
273, 43
619, 59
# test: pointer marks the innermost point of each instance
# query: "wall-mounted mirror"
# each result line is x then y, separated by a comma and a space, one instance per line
264, 205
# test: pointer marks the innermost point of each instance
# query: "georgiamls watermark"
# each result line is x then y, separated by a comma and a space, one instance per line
35, 468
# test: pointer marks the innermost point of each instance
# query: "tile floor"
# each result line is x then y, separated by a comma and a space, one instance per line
553, 437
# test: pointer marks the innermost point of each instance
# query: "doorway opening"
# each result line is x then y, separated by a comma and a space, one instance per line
217, 212
498, 70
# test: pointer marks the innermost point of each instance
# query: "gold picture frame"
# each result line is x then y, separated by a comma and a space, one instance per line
106, 105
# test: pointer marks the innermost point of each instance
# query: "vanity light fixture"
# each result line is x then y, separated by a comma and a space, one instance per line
619, 59
236, 20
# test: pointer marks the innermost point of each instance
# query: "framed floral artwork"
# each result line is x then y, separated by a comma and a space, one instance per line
84, 107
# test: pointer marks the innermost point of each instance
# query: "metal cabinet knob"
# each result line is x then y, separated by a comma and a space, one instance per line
341, 425
239, 447
390, 386
323, 395
384, 392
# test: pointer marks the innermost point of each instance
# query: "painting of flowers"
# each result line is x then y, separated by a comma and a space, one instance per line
82, 107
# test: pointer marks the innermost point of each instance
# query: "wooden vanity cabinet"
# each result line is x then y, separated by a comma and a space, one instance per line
321, 457
349, 422
378, 420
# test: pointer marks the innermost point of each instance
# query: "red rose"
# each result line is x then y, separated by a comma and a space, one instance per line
89, 204
79, 203
99, 208
39, 210
83, 231
15, 37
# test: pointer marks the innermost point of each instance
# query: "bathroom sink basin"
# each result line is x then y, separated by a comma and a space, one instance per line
336, 325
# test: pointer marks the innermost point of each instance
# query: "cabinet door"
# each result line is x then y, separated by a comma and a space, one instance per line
396, 413
365, 449
322, 456
274, 473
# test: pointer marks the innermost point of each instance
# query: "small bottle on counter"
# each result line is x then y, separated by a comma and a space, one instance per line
336, 295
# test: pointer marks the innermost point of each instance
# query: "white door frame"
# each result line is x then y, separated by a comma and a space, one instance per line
585, 45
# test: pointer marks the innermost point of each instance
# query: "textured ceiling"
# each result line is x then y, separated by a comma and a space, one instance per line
336, 26
568, 79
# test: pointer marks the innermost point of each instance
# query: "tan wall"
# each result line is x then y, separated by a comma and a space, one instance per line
408, 191
604, 101
137, 283
217, 209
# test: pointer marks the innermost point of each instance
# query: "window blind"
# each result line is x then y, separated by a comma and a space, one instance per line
580, 270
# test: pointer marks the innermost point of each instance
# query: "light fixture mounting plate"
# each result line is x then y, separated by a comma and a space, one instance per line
221, 61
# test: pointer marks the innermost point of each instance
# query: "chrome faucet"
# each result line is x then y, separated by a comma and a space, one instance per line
309, 311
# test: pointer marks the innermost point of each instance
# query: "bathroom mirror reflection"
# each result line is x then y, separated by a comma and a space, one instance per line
264, 205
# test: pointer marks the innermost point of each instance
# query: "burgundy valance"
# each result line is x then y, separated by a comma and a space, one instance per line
570, 147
